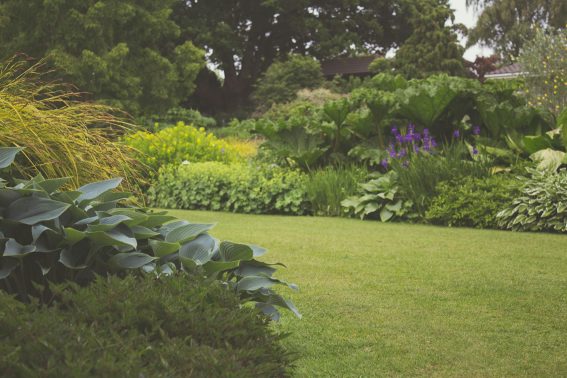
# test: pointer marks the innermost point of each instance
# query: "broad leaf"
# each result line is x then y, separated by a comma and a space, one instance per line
187, 232
132, 260
199, 250
161, 248
32, 210
92, 191
7, 155
230, 251
7, 266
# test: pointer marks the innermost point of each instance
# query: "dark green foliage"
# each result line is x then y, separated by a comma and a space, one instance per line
282, 80
238, 188
125, 53
541, 205
472, 202
49, 236
246, 37
418, 180
381, 198
174, 326
327, 187
433, 47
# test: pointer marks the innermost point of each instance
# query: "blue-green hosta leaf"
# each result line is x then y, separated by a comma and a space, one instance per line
257, 250
213, 267
95, 189
76, 256
7, 266
199, 250
161, 248
15, 249
38, 229
136, 217
108, 223
67, 197
52, 185
32, 210
255, 268
269, 310
274, 299
230, 251
132, 260
251, 283
187, 232
115, 237
141, 232
155, 220
7, 155
85, 221
168, 227
8, 196
73, 236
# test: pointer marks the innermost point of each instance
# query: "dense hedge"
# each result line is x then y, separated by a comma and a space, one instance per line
238, 188
166, 327
472, 202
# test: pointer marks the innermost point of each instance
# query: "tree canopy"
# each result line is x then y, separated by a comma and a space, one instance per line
506, 25
433, 47
126, 53
244, 37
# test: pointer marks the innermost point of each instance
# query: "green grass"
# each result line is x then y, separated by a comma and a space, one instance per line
410, 300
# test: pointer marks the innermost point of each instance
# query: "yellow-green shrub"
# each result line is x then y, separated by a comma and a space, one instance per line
181, 143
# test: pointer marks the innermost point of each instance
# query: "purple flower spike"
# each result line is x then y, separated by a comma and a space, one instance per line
384, 163
474, 151
417, 137
409, 138
425, 131
433, 143
394, 130
399, 138
411, 128
476, 130
416, 149
456, 134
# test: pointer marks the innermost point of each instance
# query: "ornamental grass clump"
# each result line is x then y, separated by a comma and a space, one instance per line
64, 137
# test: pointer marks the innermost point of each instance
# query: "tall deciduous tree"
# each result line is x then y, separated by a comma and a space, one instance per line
506, 25
125, 52
244, 37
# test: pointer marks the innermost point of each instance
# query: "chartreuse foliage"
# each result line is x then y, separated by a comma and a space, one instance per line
179, 143
49, 235
175, 326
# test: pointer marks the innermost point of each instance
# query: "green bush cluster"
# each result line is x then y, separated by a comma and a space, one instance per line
48, 235
541, 204
179, 143
242, 188
380, 198
472, 202
175, 115
172, 326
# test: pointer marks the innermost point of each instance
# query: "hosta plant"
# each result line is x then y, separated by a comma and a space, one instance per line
541, 206
50, 235
380, 197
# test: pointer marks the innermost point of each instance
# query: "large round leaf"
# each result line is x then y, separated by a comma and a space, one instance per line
92, 191
230, 251
199, 250
132, 260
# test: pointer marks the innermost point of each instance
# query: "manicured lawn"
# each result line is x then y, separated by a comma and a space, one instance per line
395, 299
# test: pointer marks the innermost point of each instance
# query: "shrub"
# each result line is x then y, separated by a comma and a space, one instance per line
380, 198
179, 143
235, 187
49, 236
472, 202
541, 205
282, 80
175, 115
327, 187
166, 327
64, 137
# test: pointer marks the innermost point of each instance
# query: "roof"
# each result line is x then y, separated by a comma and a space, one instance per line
348, 66
512, 70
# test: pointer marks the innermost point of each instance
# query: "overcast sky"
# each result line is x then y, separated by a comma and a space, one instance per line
468, 17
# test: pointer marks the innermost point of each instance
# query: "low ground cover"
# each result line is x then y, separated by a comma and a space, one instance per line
383, 299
